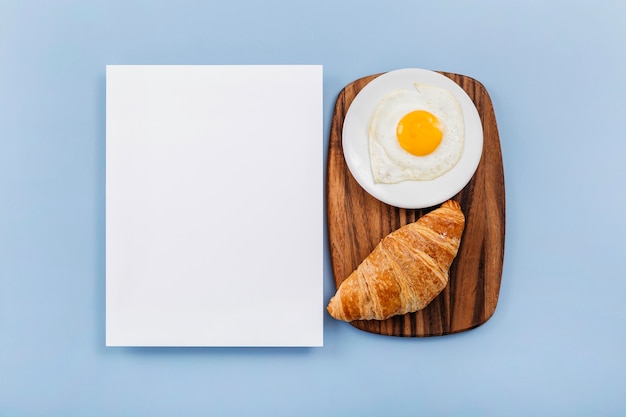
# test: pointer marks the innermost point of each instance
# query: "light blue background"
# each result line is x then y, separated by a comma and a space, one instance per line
556, 72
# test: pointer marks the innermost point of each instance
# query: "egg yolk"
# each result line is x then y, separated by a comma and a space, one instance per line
419, 132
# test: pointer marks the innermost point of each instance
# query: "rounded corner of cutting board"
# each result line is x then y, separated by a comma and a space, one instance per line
471, 296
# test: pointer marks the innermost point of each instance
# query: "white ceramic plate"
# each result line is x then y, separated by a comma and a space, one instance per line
409, 194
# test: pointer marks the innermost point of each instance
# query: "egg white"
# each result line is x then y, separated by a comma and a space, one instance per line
390, 162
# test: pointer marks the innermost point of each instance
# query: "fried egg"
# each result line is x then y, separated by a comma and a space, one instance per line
416, 135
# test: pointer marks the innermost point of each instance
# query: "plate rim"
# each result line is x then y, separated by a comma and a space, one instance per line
409, 194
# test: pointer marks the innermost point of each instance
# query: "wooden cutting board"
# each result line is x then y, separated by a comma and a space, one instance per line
357, 222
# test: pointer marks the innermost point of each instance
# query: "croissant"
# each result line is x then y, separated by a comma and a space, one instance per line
405, 271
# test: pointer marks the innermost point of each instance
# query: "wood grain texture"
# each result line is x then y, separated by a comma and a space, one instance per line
357, 222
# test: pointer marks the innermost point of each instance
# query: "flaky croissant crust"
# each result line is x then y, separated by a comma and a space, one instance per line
405, 271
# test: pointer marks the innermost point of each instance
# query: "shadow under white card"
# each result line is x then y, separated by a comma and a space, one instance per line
214, 205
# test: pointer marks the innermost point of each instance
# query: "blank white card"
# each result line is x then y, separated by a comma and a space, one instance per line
214, 205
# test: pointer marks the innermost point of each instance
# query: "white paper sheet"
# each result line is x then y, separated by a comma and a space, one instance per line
214, 205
